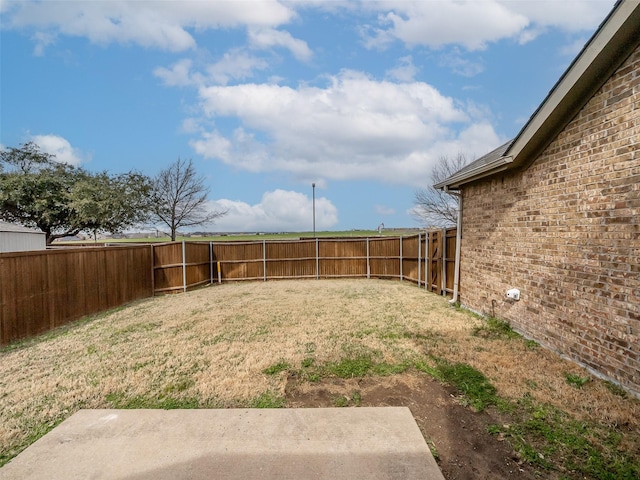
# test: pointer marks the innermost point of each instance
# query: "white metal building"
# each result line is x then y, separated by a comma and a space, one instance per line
16, 238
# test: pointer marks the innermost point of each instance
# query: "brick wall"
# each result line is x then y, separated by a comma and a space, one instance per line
566, 232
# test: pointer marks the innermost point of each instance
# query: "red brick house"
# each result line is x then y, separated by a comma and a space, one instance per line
555, 213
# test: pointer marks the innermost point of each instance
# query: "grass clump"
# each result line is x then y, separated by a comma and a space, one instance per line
348, 401
268, 400
576, 380
547, 437
276, 368
492, 328
351, 367
309, 371
616, 389
478, 392
308, 362
179, 385
385, 369
355, 364
164, 402
363, 364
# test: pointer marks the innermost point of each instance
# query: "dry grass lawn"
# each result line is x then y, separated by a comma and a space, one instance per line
213, 345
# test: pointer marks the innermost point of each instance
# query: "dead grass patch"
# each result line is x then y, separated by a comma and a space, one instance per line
235, 344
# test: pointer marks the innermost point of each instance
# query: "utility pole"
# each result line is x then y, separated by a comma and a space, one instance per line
313, 186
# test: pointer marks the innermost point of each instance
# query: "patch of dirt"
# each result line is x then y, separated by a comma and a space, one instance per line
457, 435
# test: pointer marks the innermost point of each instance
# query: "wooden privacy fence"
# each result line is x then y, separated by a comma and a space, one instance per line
426, 259
42, 290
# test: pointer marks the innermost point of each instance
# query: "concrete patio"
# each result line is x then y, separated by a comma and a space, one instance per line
324, 443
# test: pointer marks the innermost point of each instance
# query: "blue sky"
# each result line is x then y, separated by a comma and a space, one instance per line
268, 97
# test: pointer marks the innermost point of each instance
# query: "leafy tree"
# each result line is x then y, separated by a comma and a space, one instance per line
434, 207
180, 198
61, 200
111, 203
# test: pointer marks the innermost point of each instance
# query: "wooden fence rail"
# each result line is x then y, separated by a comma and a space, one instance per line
43, 290
426, 259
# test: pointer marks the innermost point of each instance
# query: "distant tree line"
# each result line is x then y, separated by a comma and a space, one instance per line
62, 200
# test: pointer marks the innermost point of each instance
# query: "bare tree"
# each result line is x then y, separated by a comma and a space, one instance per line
434, 207
180, 198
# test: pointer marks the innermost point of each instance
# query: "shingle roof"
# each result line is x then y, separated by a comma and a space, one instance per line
490, 160
12, 227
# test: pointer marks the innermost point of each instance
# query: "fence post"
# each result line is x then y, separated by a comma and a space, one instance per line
401, 276
184, 266
368, 264
419, 258
210, 263
427, 260
153, 272
444, 262
317, 259
264, 260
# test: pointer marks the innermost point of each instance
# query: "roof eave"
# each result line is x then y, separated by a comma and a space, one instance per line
456, 181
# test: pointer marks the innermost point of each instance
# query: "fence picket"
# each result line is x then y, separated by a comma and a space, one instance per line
43, 290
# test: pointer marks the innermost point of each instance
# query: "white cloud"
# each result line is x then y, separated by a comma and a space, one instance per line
155, 23
235, 64
405, 71
265, 38
279, 210
172, 25
567, 15
179, 75
461, 65
353, 128
191, 125
42, 41
61, 148
240, 150
530, 34
472, 24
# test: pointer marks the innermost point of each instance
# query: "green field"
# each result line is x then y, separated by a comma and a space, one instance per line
261, 236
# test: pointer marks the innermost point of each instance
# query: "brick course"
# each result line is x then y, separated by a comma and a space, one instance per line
566, 232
